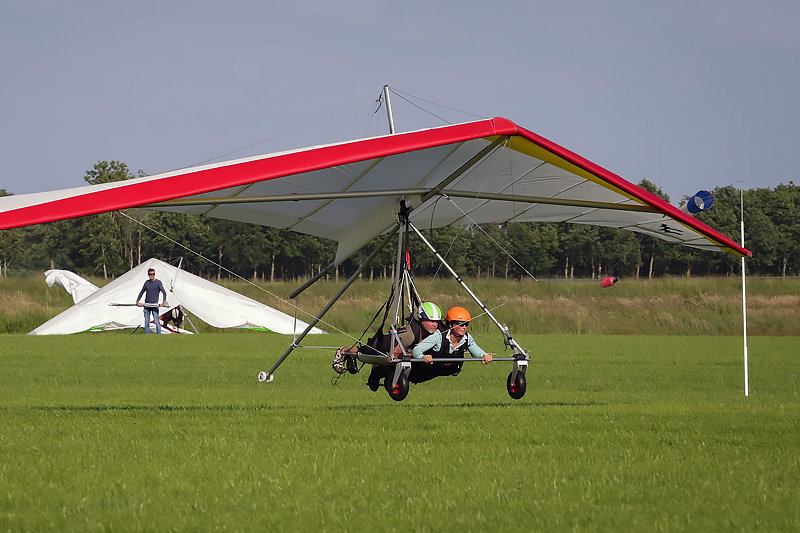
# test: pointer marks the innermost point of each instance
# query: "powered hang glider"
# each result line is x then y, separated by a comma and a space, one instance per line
487, 171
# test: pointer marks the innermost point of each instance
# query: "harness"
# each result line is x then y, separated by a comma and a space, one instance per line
444, 350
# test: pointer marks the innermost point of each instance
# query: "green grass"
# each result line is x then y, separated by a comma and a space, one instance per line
633, 433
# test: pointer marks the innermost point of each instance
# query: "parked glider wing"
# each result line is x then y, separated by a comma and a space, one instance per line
478, 172
75, 285
214, 304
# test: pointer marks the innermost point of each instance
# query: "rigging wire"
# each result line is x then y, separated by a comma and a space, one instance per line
480, 227
234, 274
379, 103
423, 109
474, 224
359, 100
400, 94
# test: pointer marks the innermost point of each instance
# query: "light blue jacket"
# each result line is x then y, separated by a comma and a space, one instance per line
434, 342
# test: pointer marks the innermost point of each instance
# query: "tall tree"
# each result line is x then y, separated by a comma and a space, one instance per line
581, 247
621, 252
534, 246
784, 212
107, 172
99, 250
10, 246
109, 240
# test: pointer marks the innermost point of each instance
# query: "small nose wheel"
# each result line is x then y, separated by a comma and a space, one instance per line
517, 386
399, 391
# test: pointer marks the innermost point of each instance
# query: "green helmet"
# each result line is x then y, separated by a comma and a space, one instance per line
429, 311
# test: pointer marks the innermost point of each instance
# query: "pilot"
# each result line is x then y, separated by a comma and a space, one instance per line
427, 322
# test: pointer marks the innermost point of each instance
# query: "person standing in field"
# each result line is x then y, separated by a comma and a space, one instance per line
151, 288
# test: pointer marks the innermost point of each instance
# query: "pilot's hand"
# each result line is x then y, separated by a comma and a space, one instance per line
428, 358
487, 358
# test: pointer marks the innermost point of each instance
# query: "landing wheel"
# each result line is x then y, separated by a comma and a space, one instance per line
516, 388
399, 392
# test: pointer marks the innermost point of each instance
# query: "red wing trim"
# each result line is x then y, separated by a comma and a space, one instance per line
635, 191
191, 183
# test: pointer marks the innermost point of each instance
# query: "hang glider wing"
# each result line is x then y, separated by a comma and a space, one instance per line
478, 172
75, 285
214, 304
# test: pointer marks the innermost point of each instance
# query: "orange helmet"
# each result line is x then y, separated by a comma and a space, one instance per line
458, 314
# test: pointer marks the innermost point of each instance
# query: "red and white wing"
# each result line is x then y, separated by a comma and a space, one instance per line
478, 172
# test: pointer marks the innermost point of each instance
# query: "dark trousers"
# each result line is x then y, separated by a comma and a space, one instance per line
420, 372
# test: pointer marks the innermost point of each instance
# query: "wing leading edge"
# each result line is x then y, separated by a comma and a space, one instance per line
478, 172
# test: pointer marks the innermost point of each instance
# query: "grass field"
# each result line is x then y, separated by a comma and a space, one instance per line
673, 306
104, 432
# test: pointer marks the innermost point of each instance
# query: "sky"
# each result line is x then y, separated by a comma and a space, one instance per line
687, 94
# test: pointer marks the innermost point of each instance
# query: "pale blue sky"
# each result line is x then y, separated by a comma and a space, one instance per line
690, 94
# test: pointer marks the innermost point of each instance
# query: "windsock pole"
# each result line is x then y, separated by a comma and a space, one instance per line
744, 298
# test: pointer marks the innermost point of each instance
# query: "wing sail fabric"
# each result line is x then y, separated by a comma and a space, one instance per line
75, 285
214, 304
478, 172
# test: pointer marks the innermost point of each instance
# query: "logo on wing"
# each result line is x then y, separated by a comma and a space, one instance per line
668, 230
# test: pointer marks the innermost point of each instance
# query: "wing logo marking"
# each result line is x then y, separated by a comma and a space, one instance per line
669, 231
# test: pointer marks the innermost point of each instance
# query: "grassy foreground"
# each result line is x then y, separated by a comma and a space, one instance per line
106, 432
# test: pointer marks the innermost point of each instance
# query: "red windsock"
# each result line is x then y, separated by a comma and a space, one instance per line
608, 282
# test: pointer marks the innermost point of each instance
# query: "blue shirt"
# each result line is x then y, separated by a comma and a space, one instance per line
152, 287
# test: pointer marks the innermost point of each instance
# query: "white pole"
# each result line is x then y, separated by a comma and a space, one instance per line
744, 300
388, 108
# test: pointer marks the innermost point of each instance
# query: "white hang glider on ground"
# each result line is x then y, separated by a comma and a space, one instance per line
113, 306
75, 285
480, 172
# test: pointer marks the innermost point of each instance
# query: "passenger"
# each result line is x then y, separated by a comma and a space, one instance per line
450, 343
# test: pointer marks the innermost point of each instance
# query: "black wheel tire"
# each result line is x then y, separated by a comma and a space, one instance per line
399, 392
516, 389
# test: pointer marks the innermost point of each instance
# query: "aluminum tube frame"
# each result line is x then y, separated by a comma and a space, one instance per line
313, 280
465, 359
403, 230
412, 191
388, 109
385, 361
519, 366
403, 367
190, 322
509, 339
333, 300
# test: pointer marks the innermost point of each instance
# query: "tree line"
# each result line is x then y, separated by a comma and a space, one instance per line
110, 244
